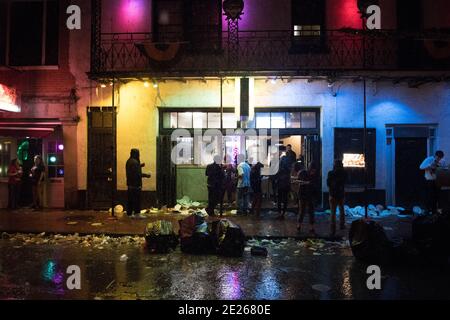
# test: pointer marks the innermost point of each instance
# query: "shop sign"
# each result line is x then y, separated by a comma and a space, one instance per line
8, 99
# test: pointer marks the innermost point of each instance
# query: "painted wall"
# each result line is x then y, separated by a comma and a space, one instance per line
126, 16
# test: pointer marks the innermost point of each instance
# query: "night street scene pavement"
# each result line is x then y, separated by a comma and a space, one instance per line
235, 152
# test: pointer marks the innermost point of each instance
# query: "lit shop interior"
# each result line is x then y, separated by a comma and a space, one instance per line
24, 142
194, 150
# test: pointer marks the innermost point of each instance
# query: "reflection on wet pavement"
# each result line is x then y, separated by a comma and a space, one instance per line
292, 270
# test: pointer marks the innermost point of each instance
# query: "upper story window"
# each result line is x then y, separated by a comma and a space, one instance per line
197, 22
29, 33
308, 16
308, 24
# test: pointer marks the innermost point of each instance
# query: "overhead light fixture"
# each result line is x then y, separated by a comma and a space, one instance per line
103, 85
146, 84
155, 84
273, 81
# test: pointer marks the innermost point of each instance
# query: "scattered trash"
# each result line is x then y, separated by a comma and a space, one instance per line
94, 241
96, 224
123, 258
321, 287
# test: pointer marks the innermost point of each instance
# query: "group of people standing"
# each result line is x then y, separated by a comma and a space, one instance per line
15, 183
248, 182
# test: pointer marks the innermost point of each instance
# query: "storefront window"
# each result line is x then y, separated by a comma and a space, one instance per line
184, 151
214, 120
200, 120
185, 120
308, 120
278, 120
229, 121
263, 120
170, 120
5, 158
293, 120
55, 159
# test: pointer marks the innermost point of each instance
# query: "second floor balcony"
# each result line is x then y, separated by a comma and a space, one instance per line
269, 51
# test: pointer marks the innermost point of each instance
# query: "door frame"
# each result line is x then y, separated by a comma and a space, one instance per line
114, 161
393, 132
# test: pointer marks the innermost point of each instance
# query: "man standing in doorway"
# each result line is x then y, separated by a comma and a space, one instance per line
291, 155
243, 172
215, 176
134, 183
430, 165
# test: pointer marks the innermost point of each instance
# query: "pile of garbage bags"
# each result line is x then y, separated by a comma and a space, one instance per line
196, 236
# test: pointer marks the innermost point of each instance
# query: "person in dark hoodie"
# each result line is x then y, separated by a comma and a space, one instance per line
336, 184
255, 184
134, 183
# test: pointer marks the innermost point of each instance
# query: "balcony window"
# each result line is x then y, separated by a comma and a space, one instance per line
33, 33
307, 31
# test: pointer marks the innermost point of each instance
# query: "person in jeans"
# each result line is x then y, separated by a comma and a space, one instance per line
134, 174
229, 184
430, 165
336, 185
37, 178
255, 182
284, 185
215, 176
243, 185
15, 175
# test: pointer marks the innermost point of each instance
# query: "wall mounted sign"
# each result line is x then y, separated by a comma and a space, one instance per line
8, 99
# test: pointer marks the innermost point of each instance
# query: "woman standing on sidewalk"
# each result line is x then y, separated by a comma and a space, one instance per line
15, 175
37, 177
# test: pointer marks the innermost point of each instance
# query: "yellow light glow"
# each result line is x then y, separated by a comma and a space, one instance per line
237, 97
103, 85
251, 98
146, 84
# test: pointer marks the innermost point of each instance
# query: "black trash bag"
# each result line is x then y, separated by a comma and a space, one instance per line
160, 236
431, 235
195, 235
228, 238
369, 242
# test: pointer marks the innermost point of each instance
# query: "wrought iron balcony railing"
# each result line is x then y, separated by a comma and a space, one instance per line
260, 51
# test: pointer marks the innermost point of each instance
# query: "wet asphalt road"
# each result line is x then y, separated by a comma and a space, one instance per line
292, 270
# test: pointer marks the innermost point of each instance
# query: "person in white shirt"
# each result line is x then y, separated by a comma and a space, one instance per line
430, 165
243, 185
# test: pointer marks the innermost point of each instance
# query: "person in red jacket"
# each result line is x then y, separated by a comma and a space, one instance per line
15, 176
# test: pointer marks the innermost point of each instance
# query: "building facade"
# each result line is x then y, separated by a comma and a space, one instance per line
143, 68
